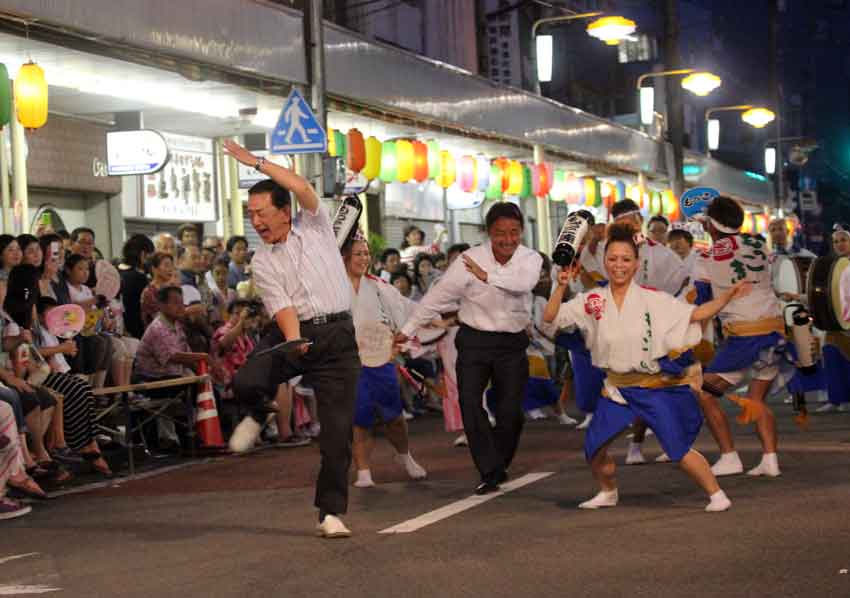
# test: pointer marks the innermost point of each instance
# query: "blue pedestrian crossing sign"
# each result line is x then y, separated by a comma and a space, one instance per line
298, 130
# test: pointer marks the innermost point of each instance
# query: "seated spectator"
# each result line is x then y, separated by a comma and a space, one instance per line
82, 243
164, 351
10, 256
232, 342
66, 240
402, 282
50, 283
215, 243
30, 250
424, 275
165, 243
95, 355
413, 244
237, 249
12, 472
657, 228
390, 263
162, 269
223, 295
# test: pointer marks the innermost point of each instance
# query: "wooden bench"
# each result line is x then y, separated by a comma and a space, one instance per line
153, 408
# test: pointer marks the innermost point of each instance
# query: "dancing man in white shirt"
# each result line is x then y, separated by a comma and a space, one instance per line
301, 279
492, 285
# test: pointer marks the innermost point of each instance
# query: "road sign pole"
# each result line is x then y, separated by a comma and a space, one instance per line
317, 74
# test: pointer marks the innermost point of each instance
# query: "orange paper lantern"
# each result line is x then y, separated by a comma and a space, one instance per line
420, 161
355, 158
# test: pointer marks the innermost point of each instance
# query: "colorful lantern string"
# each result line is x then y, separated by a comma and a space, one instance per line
31, 96
447, 170
494, 189
467, 168
389, 163
373, 158
525, 191
590, 191
433, 159
404, 160
514, 177
355, 158
420, 161
483, 171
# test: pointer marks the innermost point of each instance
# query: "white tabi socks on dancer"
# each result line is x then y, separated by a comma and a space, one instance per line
414, 470
634, 456
769, 466
605, 498
728, 464
586, 423
364, 479
718, 502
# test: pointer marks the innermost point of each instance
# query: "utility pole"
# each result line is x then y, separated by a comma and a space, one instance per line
776, 93
314, 54
675, 109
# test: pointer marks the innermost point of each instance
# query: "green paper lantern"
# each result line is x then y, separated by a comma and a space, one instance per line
433, 159
5, 97
494, 190
598, 200
525, 191
389, 162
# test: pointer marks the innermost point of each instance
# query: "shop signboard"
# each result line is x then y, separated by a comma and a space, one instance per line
185, 190
298, 131
249, 176
135, 152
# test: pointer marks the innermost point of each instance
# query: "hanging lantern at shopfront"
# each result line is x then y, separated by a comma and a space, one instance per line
5, 97
606, 192
420, 161
541, 179
447, 170
389, 163
591, 191
482, 166
760, 224
573, 189
467, 168
355, 157
669, 205
620, 191
433, 159
655, 203
336, 144
504, 179
514, 177
31, 96
373, 158
494, 189
558, 192
633, 193
526, 182
747, 226
404, 160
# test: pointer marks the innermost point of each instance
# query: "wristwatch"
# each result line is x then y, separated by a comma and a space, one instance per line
259, 163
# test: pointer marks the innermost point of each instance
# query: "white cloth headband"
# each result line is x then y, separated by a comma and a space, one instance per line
841, 231
723, 229
627, 214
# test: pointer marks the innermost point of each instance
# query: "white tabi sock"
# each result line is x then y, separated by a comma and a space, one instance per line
364, 478
414, 470
769, 466
728, 464
605, 498
634, 456
718, 502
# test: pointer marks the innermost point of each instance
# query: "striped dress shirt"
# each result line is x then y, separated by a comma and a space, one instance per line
305, 271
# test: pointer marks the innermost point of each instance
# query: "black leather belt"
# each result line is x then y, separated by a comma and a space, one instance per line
328, 318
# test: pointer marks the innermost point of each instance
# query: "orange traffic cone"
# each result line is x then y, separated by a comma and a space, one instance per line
207, 425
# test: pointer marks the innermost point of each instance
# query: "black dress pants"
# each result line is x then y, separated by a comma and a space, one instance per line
498, 358
331, 367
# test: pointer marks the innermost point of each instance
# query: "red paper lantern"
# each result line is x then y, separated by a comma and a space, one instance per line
420, 161
355, 159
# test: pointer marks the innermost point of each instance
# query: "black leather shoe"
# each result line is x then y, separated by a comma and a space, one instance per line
486, 488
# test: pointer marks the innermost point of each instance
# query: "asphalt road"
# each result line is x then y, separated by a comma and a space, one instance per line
243, 526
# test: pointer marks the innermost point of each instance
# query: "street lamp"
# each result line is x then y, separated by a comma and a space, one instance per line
700, 83
608, 29
753, 116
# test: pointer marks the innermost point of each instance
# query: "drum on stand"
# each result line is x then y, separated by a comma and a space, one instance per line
789, 278
828, 287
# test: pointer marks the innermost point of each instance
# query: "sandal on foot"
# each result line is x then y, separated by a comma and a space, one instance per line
28, 487
92, 458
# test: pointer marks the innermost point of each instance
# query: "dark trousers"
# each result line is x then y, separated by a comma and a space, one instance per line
497, 357
331, 367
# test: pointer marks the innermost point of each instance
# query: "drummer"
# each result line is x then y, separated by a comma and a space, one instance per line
378, 391
778, 231
836, 348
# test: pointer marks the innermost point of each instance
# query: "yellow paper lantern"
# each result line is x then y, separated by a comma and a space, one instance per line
31, 96
373, 159
447, 169
514, 178
589, 191
404, 157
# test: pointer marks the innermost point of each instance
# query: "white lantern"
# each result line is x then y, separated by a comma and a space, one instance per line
544, 58
770, 160
647, 105
713, 134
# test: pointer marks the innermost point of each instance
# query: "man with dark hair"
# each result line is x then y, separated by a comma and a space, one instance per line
657, 227
390, 263
82, 242
455, 250
302, 281
754, 330
492, 285
237, 249
187, 234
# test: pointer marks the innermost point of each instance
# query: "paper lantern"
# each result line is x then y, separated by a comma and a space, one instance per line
606, 191
373, 158
514, 177
541, 180
620, 194
760, 224
574, 188
336, 144
747, 226
5, 97
447, 169
355, 157
668, 203
389, 164
404, 160
466, 173
655, 203
525, 191
483, 171
504, 175
590, 191
31, 96
420, 161
558, 190
433, 159
494, 189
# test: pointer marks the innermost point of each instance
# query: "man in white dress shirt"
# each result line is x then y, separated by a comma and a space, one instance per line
492, 285
301, 279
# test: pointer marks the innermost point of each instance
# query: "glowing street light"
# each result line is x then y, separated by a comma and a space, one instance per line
758, 117
702, 83
770, 160
754, 116
608, 29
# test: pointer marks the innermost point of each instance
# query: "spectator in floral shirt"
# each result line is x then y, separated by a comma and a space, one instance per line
164, 352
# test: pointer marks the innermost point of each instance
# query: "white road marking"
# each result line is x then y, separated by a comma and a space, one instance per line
18, 590
411, 525
15, 557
